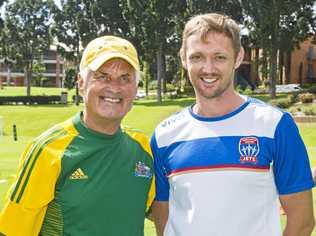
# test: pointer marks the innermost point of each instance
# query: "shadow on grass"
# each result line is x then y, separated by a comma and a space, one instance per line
53, 105
181, 102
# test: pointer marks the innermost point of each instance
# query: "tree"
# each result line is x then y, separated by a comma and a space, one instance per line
7, 52
68, 30
70, 78
157, 26
108, 18
37, 71
278, 25
28, 24
80, 21
1, 20
152, 24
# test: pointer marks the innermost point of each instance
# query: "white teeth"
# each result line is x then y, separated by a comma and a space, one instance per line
208, 80
115, 100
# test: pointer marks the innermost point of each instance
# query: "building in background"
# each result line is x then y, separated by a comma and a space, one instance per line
53, 74
302, 67
296, 67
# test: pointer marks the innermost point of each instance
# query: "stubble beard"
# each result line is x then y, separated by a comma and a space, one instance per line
217, 93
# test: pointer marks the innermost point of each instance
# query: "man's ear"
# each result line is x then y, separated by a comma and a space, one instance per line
80, 82
240, 57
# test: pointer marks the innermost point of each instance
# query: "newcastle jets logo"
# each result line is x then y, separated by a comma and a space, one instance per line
248, 149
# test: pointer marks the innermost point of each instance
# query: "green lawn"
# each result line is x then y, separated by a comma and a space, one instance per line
20, 91
32, 120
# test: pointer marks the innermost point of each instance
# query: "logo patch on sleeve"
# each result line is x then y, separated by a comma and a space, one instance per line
248, 149
141, 170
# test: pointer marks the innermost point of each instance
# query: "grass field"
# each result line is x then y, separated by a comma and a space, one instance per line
32, 120
21, 91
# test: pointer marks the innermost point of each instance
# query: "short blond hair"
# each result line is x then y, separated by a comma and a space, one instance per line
211, 22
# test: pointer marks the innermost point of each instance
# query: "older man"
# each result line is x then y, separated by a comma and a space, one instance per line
87, 176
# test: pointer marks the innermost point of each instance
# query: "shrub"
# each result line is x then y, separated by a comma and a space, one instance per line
312, 89
247, 91
170, 87
310, 111
306, 97
306, 109
282, 102
152, 85
70, 78
29, 99
293, 97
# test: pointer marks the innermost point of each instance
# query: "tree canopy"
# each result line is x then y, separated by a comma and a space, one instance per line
278, 25
27, 27
154, 26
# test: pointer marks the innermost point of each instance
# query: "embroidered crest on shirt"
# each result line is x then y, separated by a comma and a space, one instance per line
78, 174
248, 149
141, 170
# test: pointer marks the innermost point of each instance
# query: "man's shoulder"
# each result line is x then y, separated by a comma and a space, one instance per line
135, 133
173, 121
138, 137
57, 131
264, 110
167, 130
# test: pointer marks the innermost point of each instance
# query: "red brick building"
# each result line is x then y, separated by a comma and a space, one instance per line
54, 71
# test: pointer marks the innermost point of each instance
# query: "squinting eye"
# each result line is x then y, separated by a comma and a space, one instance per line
102, 77
220, 58
195, 58
125, 79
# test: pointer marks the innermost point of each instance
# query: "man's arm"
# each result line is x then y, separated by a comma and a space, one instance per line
160, 212
33, 189
298, 208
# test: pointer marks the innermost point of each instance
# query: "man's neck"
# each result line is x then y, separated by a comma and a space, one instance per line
219, 106
104, 126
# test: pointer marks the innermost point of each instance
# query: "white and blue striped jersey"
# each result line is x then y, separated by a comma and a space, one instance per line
222, 176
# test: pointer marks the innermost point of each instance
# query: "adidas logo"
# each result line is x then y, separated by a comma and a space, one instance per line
78, 174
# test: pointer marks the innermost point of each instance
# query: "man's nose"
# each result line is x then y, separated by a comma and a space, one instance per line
114, 84
209, 66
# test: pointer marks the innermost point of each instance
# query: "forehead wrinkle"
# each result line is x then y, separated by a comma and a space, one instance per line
116, 66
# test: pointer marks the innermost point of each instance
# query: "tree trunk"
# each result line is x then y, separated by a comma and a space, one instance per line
264, 66
146, 77
28, 75
274, 49
281, 66
159, 73
77, 96
273, 72
163, 73
254, 68
288, 67
8, 74
257, 55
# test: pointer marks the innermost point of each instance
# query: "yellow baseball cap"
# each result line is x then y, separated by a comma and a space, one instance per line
104, 48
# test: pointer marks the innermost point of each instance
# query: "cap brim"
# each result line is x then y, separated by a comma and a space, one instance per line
100, 60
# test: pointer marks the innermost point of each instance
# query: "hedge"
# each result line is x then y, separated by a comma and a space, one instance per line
40, 99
